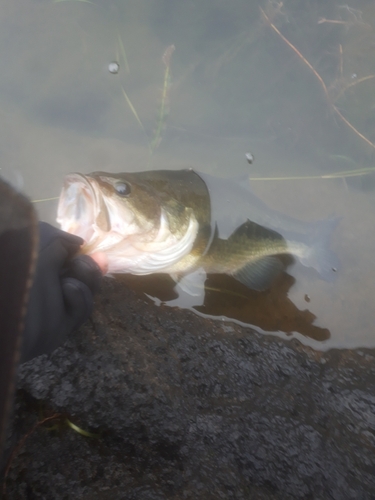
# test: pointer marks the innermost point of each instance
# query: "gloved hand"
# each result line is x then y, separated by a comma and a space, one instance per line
61, 297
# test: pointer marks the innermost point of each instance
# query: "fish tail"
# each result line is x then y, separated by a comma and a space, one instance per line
320, 256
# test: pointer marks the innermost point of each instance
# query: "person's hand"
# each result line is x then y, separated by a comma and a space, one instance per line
61, 297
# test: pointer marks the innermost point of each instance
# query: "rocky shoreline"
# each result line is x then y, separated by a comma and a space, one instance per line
183, 407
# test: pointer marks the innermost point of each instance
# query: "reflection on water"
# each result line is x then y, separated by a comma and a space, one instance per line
303, 109
224, 297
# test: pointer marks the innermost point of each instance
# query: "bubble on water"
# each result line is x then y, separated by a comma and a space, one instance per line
249, 157
113, 67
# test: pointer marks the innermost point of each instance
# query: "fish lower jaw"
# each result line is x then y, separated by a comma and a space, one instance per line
141, 263
138, 267
155, 257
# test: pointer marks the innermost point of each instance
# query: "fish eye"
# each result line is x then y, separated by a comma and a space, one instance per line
123, 189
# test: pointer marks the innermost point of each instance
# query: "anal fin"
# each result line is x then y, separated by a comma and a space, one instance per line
260, 274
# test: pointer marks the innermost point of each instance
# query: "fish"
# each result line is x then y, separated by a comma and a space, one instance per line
181, 222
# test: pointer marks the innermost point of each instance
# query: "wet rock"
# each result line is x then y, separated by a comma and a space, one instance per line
189, 408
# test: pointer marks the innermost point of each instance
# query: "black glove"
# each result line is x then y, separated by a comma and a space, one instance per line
61, 297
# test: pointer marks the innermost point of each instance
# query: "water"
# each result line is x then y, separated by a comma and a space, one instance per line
232, 86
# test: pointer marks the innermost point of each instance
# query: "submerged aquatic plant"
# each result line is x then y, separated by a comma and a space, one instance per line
164, 104
132, 108
323, 85
123, 52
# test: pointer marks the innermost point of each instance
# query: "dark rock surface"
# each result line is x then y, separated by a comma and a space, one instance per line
189, 408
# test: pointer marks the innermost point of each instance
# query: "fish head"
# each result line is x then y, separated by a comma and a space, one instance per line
140, 229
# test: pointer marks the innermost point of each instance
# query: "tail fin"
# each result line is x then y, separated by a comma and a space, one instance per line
320, 257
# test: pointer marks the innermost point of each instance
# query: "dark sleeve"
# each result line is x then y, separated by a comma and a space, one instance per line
61, 297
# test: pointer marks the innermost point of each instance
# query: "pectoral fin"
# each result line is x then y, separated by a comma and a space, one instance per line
192, 283
259, 275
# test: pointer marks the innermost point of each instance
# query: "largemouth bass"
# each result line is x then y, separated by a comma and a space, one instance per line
178, 222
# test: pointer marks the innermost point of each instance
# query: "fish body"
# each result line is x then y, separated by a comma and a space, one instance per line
176, 222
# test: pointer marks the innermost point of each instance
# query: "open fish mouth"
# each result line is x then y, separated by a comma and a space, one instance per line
77, 206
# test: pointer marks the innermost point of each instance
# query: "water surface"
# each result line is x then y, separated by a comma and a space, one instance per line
235, 85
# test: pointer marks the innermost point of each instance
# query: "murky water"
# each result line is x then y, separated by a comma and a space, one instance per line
291, 85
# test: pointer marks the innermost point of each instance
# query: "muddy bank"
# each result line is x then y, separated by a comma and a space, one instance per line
189, 408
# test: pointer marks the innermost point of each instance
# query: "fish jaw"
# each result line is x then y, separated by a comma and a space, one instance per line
76, 208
